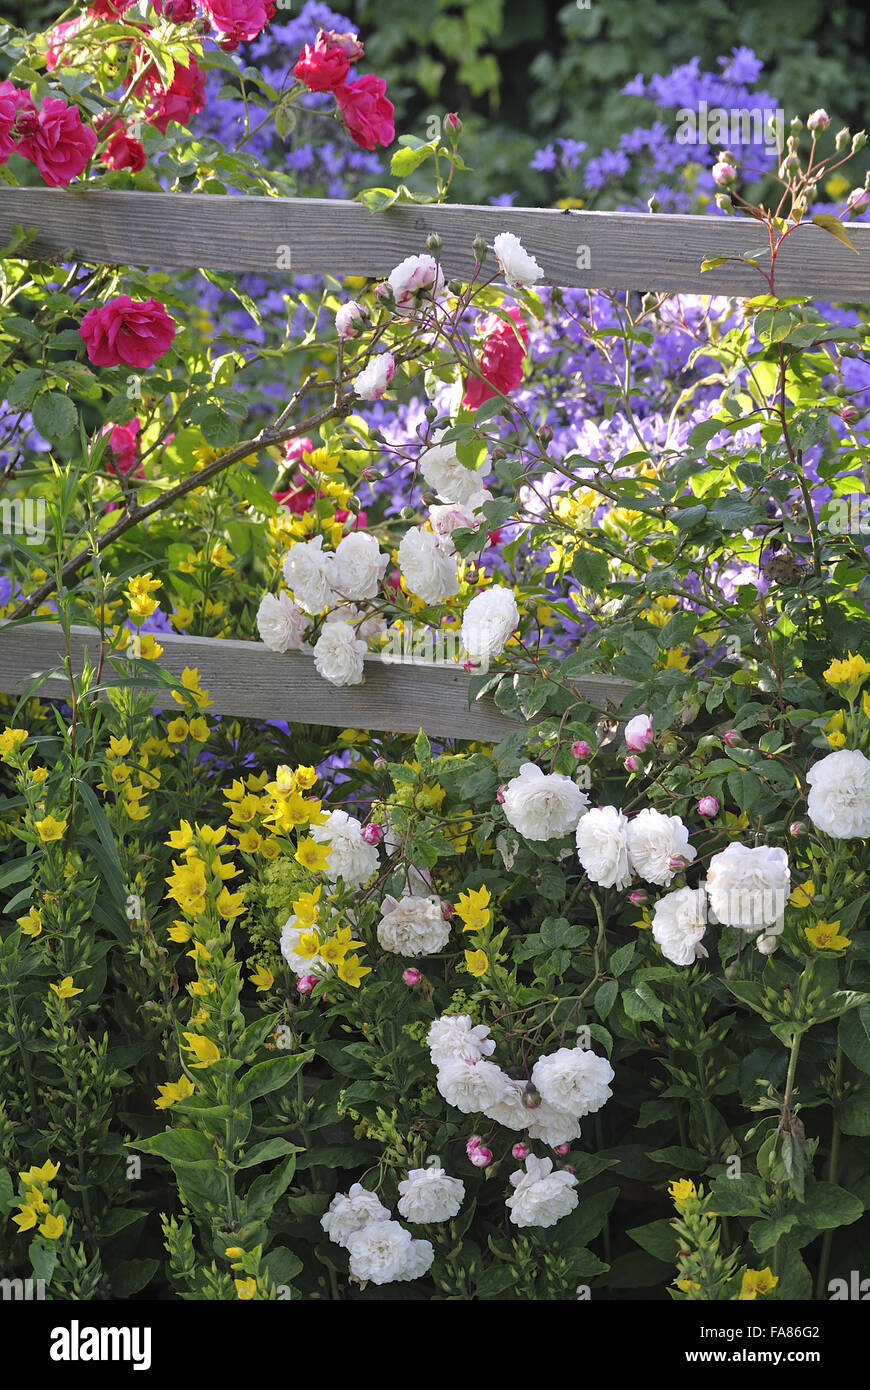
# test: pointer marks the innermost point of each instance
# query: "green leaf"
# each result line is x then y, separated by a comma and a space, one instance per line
641, 1004
605, 998
589, 568
765, 1234
376, 199
854, 1036
132, 1276
43, 1257
658, 1238
405, 161
265, 1191
268, 1149
712, 261
836, 229
54, 415
270, 1076
178, 1146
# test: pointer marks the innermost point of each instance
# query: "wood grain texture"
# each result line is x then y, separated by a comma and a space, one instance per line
627, 250
246, 680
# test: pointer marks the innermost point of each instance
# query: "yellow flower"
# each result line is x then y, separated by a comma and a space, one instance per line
682, 1190
865, 705
351, 971
834, 729
234, 1252
305, 778
180, 839
119, 747
848, 675
825, 937
756, 1281
31, 922
308, 945
229, 904
802, 894
26, 1219
204, 1050
171, 1092
270, 849
40, 1176
39, 774
735, 822
199, 729
190, 681
312, 855
285, 779
50, 829
262, 978
686, 1284
245, 1288
182, 617
473, 908
248, 840
66, 989
11, 739
177, 730
179, 931
677, 659
305, 907
149, 648
836, 186
476, 963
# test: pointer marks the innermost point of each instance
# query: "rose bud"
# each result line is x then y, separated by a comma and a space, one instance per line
481, 1156
561, 1148
818, 120
372, 834
452, 123
708, 806
581, 749
521, 1152
638, 897
411, 977
632, 763
306, 983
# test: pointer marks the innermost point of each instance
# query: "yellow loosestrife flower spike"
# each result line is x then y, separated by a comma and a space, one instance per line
204, 1050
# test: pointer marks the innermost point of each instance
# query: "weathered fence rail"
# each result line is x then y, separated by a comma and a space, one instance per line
245, 679
603, 250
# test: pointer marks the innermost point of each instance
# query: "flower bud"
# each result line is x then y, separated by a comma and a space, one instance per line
849, 415
859, 141
767, 945
431, 413
581, 749
632, 763
724, 203
480, 1156
531, 1099
795, 125
306, 983
447, 909
407, 513
638, 897
521, 1152
434, 243
545, 436
653, 203
842, 139
380, 764
708, 806
731, 736
724, 175
499, 796
561, 1148
455, 286
411, 977
452, 123
479, 248
372, 834
676, 863
473, 1143
797, 828
857, 200
818, 120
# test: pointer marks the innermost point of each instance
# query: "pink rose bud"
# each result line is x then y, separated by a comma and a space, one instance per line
581, 749
567, 1168
452, 123
411, 977
383, 291
639, 733
380, 764
849, 415
708, 806
676, 862
306, 983
473, 1143
447, 909
858, 199
499, 796
724, 175
767, 945
469, 665
638, 897
797, 828
818, 120
561, 1148
521, 1152
481, 1156
632, 763
545, 435
731, 736
531, 1099
373, 834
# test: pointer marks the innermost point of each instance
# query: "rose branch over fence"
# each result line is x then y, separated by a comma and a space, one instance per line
589, 250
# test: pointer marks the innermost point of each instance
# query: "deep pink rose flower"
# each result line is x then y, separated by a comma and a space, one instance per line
62, 145
178, 102
123, 447
127, 332
296, 499
348, 44
109, 9
178, 11
320, 67
124, 152
367, 112
8, 112
54, 56
239, 20
500, 359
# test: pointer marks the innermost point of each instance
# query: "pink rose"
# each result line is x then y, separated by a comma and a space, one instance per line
639, 733
178, 11
8, 112
348, 44
500, 359
127, 332
108, 9
296, 499
239, 20
54, 56
123, 446
61, 145
320, 67
178, 102
368, 115
124, 152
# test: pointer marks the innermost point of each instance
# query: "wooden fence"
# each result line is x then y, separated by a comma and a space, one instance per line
603, 250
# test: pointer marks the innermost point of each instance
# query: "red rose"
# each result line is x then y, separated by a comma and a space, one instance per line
178, 11
8, 113
320, 67
61, 146
178, 102
239, 20
123, 446
296, 499
500, 360
367, 113
109, 9
127, 332
124, 152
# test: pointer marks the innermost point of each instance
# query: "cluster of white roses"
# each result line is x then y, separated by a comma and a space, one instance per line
381, 1250
565, 1085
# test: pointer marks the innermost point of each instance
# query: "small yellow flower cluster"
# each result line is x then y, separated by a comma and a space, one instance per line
192, 726
35, 1210
196, 884
322, 941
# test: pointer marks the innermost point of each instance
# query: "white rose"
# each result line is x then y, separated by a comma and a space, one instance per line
452, 481
455, 1038
472, 1087
543, 806
510, 1110
350, 320
351, 858
748, 888
449, 517
552, 1126
652, 840
358, 566
414, 279
517, 266
428, 1194
573, 1080
541, 1197
349, 1213
306, 570
300, 965
383, 1252
339, 653
602, 847
374, 379
839, 799
413, 926
679, 921
349, 613
488, 622
280, 623
427, 570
